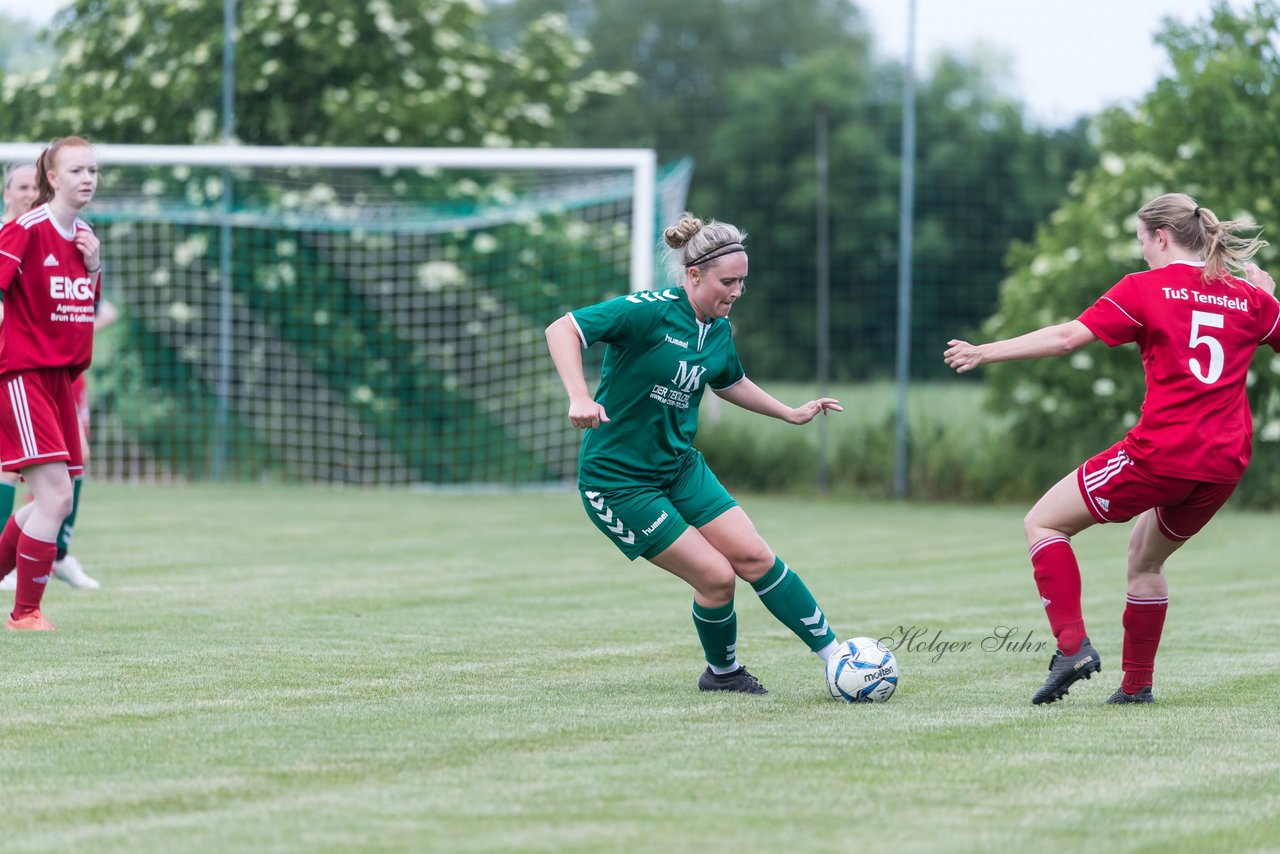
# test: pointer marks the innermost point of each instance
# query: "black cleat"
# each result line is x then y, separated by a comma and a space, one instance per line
1143, 695
739, 680
1067, 670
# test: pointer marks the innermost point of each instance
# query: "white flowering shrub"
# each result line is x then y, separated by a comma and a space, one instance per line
1205, 131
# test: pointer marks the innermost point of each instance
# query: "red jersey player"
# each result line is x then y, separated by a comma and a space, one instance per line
50, 271
20, 193
1197, 327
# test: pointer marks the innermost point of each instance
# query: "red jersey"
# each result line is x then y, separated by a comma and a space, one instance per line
1197, 340
49, 298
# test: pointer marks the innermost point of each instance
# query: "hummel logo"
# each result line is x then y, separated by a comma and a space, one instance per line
684, 344
51, 261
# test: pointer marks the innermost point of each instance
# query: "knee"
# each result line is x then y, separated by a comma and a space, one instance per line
717, 586
56, 503
1031, 527
62, 508
752, 560
1141, 562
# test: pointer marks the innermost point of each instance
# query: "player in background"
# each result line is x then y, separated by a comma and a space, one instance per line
20, 193
642, 482
50, 272
1197, 327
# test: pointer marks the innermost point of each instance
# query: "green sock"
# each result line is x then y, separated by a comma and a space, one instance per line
786, 597
69, 524
718, 631
8, 491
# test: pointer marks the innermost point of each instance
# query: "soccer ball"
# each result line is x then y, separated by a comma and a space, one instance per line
862, 670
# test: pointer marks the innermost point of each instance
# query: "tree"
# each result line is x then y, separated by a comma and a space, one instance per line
22, 47
386, 72
983, 178
1208, 130
686, 56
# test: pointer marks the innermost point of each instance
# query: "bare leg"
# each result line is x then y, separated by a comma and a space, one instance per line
733, 535
1149, 548
695, 561
1060, 512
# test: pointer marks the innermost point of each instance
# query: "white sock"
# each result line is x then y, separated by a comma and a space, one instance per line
724, 671
827, 651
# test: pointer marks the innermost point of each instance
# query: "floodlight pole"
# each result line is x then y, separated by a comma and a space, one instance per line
906, 215
823, 319
222, 415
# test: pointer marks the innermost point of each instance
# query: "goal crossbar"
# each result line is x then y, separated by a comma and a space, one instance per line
641, 162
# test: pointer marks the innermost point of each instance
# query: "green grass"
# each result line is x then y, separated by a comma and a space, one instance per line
283, 669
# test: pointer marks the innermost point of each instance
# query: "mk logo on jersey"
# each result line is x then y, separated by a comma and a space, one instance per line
51, 261
687, 379
65, 287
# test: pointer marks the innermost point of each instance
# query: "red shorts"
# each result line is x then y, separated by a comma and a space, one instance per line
38, 421
80, 392
1115, 489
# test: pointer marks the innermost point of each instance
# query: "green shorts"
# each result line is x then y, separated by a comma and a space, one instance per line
644, 520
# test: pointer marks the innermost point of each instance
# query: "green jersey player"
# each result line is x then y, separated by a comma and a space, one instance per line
642, 482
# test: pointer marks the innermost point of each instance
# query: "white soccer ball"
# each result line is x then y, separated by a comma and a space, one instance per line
862, 670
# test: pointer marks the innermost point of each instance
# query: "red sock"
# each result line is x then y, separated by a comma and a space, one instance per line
1058, 578
1143, 623
9, 546
35, 566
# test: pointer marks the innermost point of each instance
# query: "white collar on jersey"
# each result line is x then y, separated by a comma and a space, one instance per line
53, 220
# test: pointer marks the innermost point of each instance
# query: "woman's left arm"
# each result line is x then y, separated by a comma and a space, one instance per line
751, 397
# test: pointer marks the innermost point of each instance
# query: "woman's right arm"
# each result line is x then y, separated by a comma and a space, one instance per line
566, 353
1049, 341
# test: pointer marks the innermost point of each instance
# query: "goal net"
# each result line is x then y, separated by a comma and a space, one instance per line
362, 316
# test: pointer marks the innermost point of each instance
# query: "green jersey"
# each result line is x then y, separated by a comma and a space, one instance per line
658, 360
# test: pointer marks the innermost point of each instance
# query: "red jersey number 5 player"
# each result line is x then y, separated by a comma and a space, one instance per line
1197, 328
50, 272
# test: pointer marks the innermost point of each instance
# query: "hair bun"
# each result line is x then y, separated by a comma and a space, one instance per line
683, 231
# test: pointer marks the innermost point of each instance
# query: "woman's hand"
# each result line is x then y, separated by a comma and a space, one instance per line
585, 412
1260, 278
807, 412
962, 355
90, 247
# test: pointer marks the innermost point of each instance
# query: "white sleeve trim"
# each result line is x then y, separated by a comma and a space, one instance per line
730, 385
1122, 311
1269, 331
582, 338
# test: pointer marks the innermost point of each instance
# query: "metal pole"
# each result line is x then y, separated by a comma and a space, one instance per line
823, 319
222, 416
906, 215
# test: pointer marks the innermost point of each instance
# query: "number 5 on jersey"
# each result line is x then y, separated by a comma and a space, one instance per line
1206, 318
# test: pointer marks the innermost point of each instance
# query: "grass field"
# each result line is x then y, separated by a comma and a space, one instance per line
275, 669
